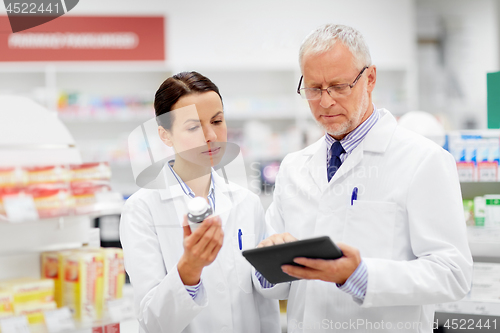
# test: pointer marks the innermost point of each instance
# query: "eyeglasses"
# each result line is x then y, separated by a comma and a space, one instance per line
338, 90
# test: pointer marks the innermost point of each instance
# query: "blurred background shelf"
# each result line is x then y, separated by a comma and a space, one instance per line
44, 235
474, 189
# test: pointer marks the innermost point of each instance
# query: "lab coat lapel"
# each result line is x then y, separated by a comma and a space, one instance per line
316, 163
376, 141
378, 138
172, 189
349, 164
223, 198
173, 196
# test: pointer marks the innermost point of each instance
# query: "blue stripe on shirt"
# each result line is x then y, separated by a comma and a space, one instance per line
187, 190
357, 283
193, 290
263, 281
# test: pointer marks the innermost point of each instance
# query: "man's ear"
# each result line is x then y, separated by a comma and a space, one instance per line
372, 77
165, 136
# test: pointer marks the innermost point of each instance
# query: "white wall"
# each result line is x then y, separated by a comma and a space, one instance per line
267, 34
457, 87
261, 33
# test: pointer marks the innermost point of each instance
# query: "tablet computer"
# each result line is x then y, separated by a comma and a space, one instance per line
268, 260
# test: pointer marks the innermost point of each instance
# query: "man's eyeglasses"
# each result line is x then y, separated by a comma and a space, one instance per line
338, 90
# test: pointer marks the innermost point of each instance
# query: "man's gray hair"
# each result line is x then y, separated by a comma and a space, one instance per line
324, 38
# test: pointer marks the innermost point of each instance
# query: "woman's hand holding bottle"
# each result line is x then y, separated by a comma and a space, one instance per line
200, 248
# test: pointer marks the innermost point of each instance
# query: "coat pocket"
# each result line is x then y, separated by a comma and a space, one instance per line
370, 228
243, 267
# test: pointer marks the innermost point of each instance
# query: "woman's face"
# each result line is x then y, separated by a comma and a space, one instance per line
199, 131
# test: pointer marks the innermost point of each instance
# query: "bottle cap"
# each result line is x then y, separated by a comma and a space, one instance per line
197, 206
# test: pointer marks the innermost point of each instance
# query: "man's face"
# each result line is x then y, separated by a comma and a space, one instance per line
342, 114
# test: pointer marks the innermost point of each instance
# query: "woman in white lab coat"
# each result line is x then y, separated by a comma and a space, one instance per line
194, 281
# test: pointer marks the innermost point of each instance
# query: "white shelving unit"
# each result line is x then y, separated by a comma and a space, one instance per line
485, 247
33, 136
43, 235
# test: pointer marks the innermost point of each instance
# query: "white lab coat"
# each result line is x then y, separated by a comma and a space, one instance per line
152, 239
407, 223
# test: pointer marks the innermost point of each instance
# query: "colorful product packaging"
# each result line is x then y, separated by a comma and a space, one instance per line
6, 304
83, 284
86, 195
46, 175
12, 177
486, 282
479, 211
492, 211
51, 202
26, 290
6, 191
114, 273
34, 311
90, 171
52, 267
469, 212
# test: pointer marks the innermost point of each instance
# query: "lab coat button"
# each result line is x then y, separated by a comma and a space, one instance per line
225, 329
221, 287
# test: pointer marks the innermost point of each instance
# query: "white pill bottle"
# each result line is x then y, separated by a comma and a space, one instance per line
198, 210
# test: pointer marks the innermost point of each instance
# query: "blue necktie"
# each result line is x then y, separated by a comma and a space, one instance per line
334, 162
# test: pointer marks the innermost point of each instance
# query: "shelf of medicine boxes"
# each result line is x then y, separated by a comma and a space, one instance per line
485, 247
484, 243
22, 242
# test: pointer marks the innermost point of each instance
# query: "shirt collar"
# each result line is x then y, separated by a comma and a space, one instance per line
187, 190
352, 140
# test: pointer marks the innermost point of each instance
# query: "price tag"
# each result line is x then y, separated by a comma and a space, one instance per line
119, 310
455, 307
59, 320
440, 308
15, 325
465, 171
481, 309
112, 328
487, 171
20, 207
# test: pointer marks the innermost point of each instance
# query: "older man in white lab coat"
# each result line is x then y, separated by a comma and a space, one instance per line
389, 198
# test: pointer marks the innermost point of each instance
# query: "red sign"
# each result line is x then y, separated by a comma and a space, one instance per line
86, 38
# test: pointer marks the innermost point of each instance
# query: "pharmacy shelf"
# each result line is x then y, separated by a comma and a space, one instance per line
484, 242
474, 189
44, 235
488, 249
123, 316
474, 307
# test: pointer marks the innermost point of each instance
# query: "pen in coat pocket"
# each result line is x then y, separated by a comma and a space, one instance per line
354, 195
239, 238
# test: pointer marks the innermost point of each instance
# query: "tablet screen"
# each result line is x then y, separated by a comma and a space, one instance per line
268, 260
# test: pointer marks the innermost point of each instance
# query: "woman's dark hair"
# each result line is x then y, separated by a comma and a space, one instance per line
175, 87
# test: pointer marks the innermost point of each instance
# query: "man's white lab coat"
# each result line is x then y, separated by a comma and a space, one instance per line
407, 222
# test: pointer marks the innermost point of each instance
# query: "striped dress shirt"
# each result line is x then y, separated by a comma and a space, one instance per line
193, 290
